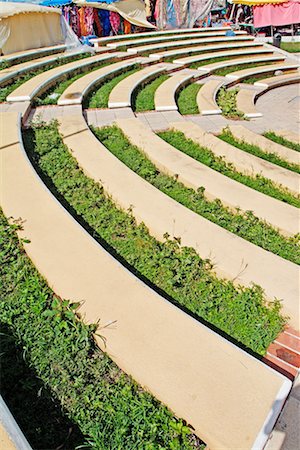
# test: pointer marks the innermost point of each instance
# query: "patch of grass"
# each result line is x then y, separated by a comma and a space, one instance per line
187, 99
282, 141
207, 157
110, 409
177, 271
51, 95
228, 137
4, 65
226, 100
98, 98
195, 65
225, 70
292, 47
144, 97
22, 78
245, 225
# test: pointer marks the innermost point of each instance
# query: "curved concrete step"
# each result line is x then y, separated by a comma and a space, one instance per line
240, 51
165, 94
245, 102
120, 96
32, 54
218, 387
206, 98
243, 162
194, 175
14, 71
234, 62
289, 135
280, 80
106, 39
253, 71
245, 263
131, 43
201, 40
38, 84
75, 93
204, 48
268, 146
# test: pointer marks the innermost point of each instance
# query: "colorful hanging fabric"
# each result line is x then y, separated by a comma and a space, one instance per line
115, 21
82, 22
105, 22
127, 27
67, 13
74, 21
89, 20
97, 23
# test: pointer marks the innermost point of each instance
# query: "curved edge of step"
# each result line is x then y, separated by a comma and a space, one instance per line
163, 361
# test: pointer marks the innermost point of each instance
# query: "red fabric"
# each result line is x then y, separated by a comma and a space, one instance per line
277, 15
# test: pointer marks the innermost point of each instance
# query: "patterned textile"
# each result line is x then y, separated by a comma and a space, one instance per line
105, 22
115, 21
83, 29
97, 23
127, 27
74, 20
89, 20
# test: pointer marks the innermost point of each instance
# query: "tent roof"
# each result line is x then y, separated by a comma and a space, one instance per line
8, 9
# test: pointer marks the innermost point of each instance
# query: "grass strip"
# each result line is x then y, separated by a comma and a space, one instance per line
187, 99
225, 70
245, 225
292, 47
144, 97
205, 62
228, 137
282, 141
178, 140
51, 95
110, 409
178, 272
226, 99
98, 97
22, 78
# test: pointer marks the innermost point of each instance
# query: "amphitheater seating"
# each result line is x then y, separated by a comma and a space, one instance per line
237, 52
121, 94
186, 50
36, 85
244, 162
245, 102
163, 361
165, 94
177, 44
179, 37
75, 93
16, 57
206, 98
194, 175
289, 135
104, 40
280, 80
268, 146
254, 71
234, 62
12, 72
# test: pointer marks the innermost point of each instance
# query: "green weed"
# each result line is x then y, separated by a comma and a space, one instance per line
22, 78
207, 157
282, 141
228, 137
110, 409
98, 98
178, 271
187, 99
226, 99
144, 97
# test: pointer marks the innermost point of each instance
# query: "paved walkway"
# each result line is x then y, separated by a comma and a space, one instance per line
280, 108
